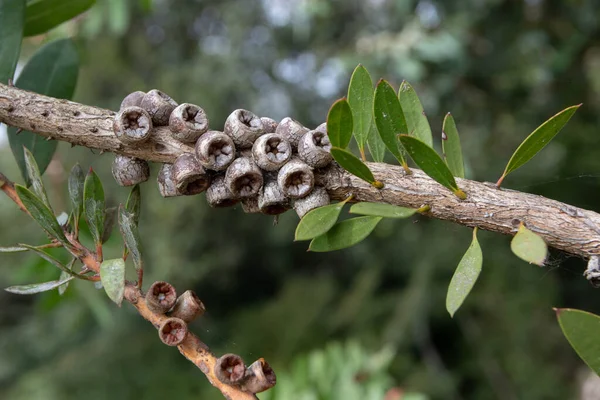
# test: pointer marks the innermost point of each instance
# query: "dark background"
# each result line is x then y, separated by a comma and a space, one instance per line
371, 317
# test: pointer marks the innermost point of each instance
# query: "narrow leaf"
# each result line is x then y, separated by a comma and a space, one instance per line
13, 249
352, 164
54, 261
37, 287
582, 329
318, 221
382, 210
42, 214
538, 139
52, 71
344, 234
134, 203
451, 147
360, 99
35, 178
76, 181
110, 217
431, 163
41, 16
64, 275
416, 120
376, 145
94, 205
12, 17
389, 118
465, 276
339, 124
529, 246
131, 237
112, 276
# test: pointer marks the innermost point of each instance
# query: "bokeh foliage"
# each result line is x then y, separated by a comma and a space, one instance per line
501, 67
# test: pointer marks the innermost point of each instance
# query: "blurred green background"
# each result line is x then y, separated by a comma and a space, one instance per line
352, 324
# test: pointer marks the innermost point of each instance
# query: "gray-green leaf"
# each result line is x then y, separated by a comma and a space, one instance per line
339, 124
52, 71
431, 163
416, 120
112, 276
64, 275
94, 205
13, 249
529, 246
352, 164
41, 16
375, 144
465, 276
582, 329
38, 287
134, 203
76, 182
318, 221
382, 210
131, 237
451, 147
360, 99
389, 118
110, 217
35, 177
538, 139
344, 234
12, 17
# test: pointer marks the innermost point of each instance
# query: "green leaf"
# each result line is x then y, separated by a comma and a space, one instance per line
360, 99
76, 181
112, 276
134, 203
43, 15
13, 249
54, 261
42, 215
131, 237
451, 147
582, 329
110, 217
389, 118
416, 120
12, 17
431, 163
339, 124
352, 164
529, 246
52, 71
344, 234
35, 178
94, 206
382, 210
465, 276
318, 221
37, 287
64, 275
537, 140
376, 145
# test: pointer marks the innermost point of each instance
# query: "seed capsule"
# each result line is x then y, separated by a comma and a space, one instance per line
292, 130
188, 175
159, 106
296, 179
317, 198
132, 125
271, 151
314, 149
243, 178
244, 127
129, 171
187, 122
215, 150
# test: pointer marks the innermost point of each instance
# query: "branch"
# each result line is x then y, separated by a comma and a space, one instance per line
562, 226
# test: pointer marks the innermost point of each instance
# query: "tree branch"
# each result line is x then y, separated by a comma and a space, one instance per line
570, 229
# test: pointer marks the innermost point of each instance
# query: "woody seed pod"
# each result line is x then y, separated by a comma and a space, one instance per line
161, 297
172, 331
188, 175
187, 122
166, 185
259, 377
292, 130
269, 124
129, 171
215, 150
296, 179
188, 307
271, 151
244, 127
243, 178
132, 125
314, 149
317, 198
218, 194
322, 128
250, 205
230, 369
271, 200
159, 105
132, 99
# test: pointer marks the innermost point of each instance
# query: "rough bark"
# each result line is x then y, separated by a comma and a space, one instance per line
562, 226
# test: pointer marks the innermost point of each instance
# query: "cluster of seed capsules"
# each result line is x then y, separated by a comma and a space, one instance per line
264, 165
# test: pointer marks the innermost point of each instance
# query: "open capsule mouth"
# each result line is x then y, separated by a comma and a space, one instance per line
250, 120
321, 140
194, 185
277, 150
298, 184
247, 185
221, 152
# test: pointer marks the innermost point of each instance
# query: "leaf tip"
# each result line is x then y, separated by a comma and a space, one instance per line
558, 311
460, 194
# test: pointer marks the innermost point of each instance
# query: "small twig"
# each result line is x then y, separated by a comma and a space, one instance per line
7, 187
